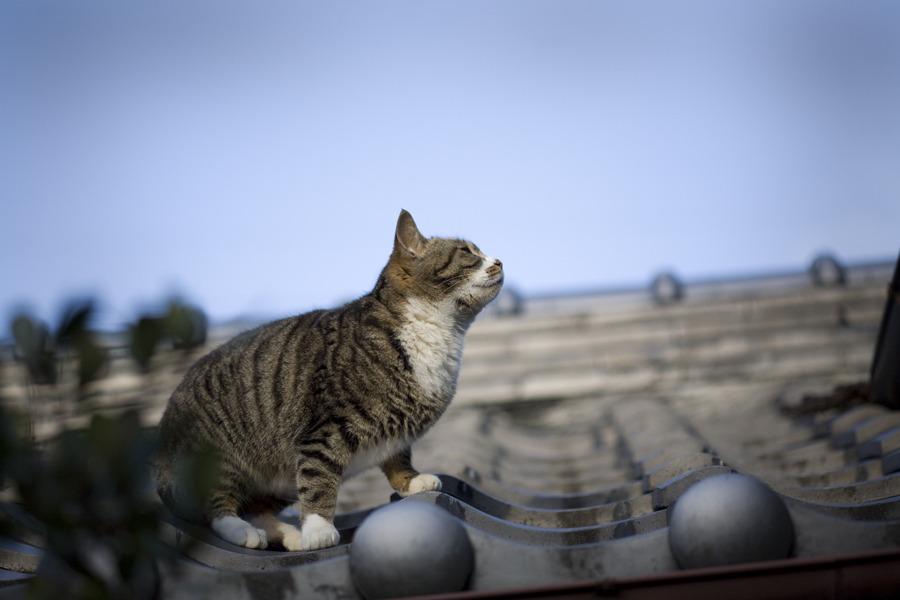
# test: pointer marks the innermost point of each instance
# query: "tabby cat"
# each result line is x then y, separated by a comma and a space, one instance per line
292, 407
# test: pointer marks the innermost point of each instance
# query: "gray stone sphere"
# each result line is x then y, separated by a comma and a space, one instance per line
410, 548
729, 519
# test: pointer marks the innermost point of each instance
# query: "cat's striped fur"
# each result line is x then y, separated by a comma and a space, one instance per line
291, 407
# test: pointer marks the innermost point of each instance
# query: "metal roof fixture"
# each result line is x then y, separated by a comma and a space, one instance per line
508, 302
666, 288
826, 271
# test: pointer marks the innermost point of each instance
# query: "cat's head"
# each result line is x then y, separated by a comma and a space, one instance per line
442, 270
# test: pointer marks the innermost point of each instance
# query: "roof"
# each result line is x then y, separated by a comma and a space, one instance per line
580, 421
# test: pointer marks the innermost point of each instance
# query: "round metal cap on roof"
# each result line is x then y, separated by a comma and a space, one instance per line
410, 548
666, 288
826, 271
729, 519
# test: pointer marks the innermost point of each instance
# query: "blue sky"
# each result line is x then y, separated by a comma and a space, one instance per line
253, 156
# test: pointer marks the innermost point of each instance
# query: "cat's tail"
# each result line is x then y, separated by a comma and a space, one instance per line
174, 485
183, 505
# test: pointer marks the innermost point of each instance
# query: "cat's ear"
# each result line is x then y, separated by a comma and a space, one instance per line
408, 240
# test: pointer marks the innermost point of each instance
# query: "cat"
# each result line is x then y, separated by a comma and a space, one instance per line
292, 407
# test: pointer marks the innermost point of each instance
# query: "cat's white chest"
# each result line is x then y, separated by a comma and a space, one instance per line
433, 342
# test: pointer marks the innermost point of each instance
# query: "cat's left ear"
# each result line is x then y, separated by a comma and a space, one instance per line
408, 239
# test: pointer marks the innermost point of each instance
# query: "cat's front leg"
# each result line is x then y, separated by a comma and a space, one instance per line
235, 530
406, 480
317, 485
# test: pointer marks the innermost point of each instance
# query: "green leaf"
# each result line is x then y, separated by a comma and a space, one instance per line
187, 326
143, 339
34, 347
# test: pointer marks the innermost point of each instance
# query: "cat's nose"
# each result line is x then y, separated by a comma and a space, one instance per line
498, 263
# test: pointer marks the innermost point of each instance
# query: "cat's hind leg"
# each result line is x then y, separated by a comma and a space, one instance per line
279, 532
239, 532
316, 532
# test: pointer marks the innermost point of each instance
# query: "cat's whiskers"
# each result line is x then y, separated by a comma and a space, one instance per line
454, 282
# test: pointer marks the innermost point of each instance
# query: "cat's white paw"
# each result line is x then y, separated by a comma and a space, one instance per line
423, 482
239, 532
318, 533
292, 540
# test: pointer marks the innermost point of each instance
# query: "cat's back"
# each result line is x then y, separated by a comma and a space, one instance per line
291, 359
254, 349
248, 369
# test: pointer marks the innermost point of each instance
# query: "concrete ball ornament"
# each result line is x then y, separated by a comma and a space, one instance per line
729, 519
410, 548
